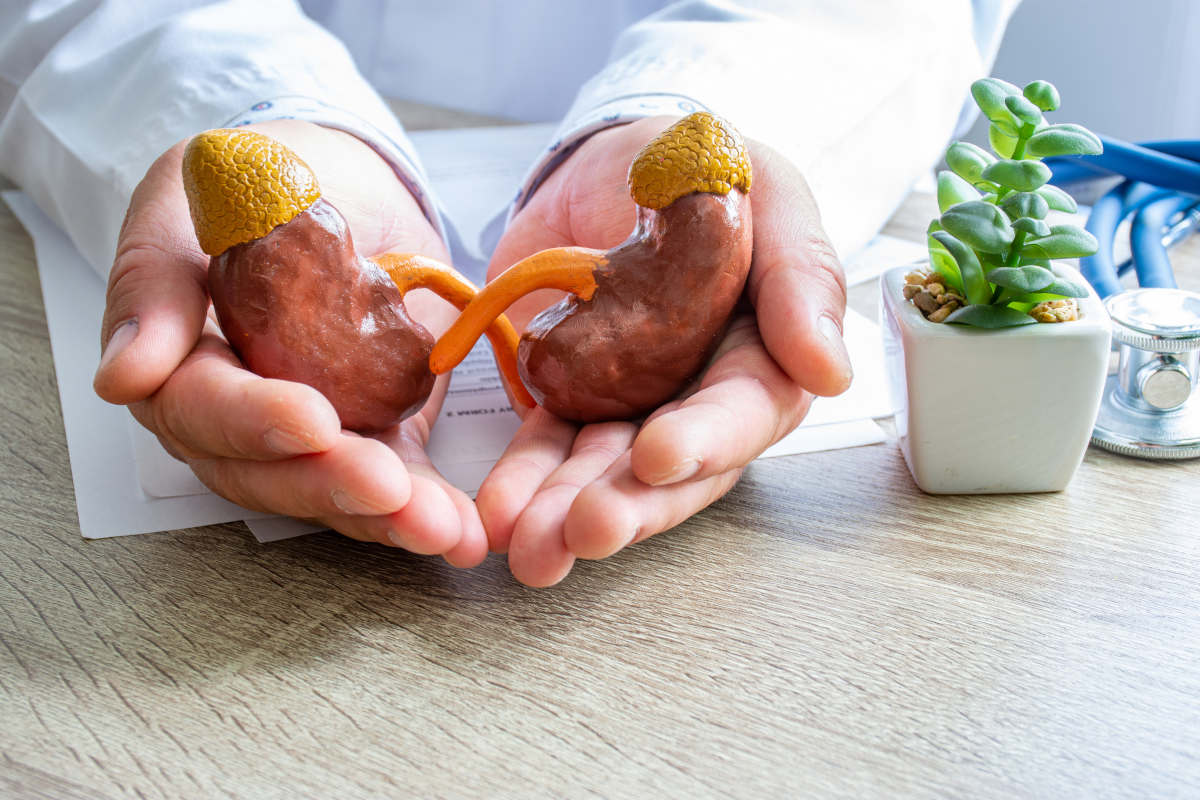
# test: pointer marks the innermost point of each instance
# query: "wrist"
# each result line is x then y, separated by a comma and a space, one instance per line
381, 210
587, 153
385, 137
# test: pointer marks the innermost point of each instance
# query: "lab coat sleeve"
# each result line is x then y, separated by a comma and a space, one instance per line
92, 91
862, 95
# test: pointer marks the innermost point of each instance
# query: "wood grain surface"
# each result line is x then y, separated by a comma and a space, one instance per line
825, 630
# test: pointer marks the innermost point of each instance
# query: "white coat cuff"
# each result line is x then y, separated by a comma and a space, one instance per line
392, 146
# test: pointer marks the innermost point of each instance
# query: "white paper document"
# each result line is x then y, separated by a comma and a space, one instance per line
125, 483
108, 496
476, 422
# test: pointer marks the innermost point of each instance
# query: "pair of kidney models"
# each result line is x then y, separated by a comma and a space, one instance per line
640, 321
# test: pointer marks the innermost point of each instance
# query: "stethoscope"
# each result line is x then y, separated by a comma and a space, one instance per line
1151, 406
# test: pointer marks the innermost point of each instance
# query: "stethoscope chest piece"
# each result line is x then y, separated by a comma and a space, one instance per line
1151, 408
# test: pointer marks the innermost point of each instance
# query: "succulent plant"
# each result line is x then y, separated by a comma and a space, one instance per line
992, 244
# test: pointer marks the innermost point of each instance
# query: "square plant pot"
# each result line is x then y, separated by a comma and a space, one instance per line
993, 411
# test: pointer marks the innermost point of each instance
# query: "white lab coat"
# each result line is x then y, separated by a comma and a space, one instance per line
861, 94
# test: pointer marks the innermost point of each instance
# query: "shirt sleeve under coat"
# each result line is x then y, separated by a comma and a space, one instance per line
92, 91
861, 95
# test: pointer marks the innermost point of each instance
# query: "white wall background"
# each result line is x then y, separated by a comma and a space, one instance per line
1126, 68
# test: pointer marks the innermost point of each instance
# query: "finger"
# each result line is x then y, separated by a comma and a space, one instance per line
429, 523
211, 407
433, 522
157, 295
358, 476
796, 282
541, 443
350, 527
745, 404
538, 554
472, 547
617, 509
440, 518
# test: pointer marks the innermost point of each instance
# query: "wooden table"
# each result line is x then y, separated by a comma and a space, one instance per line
826, 629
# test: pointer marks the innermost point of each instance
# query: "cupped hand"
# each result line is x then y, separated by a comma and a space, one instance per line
563, 491
273, 445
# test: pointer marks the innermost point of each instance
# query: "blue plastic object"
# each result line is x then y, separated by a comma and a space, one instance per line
1162, 183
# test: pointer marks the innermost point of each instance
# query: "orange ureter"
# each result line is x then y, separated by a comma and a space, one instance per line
569, 269
411, 271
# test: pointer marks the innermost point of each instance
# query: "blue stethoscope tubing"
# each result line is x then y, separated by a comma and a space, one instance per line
1162, 180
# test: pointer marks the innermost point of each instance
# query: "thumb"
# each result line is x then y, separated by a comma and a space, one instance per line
157, 294
796, 282
535, 228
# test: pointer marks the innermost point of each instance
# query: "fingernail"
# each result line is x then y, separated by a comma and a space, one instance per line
287, 443
125, 333
681, 472
831, 332
349, 504
395, 538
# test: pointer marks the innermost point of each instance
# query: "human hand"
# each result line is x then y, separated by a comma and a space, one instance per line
274, 445
561, 491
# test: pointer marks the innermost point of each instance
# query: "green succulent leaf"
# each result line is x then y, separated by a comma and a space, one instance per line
979, 225
1042, 94
1003, 143
1025, 204
943, 264
1057, 199
1024, 110
1021, 176
1064, 241
992, 241
1065, 287
975, 285
981, 316
968, 160
1066, 139
1062, 287
1021, 279
1009, 127
1031, 226
990, 94
941, 260
952, 190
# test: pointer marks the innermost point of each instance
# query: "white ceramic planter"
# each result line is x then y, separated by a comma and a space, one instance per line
984, 412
